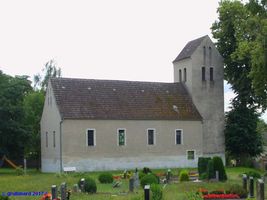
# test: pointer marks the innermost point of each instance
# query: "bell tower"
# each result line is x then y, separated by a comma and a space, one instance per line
199, 66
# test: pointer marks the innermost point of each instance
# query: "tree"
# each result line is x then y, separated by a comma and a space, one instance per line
240, 33
50, 70
33, 106
14, 133
241, 137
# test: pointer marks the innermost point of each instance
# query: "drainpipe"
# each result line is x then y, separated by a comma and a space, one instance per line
60, 146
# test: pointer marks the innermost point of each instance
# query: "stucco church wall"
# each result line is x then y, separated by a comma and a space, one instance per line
107, 155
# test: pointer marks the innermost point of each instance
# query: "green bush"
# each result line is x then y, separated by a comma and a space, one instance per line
157, 193
141, 175
210, 170
253, 174
4, 198
203, 176
203, 164
239, 190
149, 179
184, 176
89, 185
218, 166
19, 171
105, 178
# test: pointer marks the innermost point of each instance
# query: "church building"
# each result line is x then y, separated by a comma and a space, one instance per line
109, 124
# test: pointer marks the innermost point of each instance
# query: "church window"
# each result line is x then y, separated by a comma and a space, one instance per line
211, 74
54, 139
191, 155
150, 136
203, 73
180, 75
204, 55
121, 137
185, 75
210, 56
46, 139
178, 136
90, 137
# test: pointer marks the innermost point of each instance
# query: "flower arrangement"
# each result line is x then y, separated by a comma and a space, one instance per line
46, 196
221, 196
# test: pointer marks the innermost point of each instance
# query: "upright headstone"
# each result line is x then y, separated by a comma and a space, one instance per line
63, 191
54, 191
260, 189
82, 184
75, 188
168, 176
147, 190
25, 166
217, 177
251, 187
136, 179
131, 184
245, 182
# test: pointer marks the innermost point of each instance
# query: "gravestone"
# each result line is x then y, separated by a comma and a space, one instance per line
260, 189
63, 191
54, 191
136, 179
251, 187
147, 190
82, 184
245, 182
131, 184
168, 175
217, 177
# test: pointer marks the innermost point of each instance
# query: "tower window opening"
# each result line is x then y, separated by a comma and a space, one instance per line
203, 74
185, 75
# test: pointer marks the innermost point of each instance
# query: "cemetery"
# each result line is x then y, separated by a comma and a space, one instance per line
208, 181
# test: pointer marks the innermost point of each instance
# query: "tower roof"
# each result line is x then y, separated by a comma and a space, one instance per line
189, 48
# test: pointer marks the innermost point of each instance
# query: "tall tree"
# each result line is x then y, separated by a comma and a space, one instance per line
240, 33
14, 133
50, 70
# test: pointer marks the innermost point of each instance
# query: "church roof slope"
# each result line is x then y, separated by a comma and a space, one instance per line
122, 100
189, 49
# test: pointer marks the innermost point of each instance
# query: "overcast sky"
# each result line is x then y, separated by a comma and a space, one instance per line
101, 39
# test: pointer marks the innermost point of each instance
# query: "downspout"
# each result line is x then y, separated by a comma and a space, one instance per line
60, 145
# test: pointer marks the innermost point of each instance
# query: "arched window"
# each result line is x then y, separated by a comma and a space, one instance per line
185, 75
180, 75
210, 56
211, 74
203, 73
204, 55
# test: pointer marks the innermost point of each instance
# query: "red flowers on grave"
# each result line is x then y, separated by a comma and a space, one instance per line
47, 196
221, 196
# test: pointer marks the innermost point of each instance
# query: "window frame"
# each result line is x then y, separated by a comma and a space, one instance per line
203, 73
154, 136
118, 142
54, 139
180, 76
211, 74
185, 74
193, 150
94, 133
182, 136
46, 139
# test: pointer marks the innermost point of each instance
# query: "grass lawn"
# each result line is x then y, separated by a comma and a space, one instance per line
41, 182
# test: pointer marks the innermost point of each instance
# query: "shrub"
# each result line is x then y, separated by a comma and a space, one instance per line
203, 164
157, 193
203, 176
4, 198
105, 178
146, 170
253, 174
210, 170
19, 171
141, 175
217, 192
89, 185
238, 189
149, 179
184, 176
218, 166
